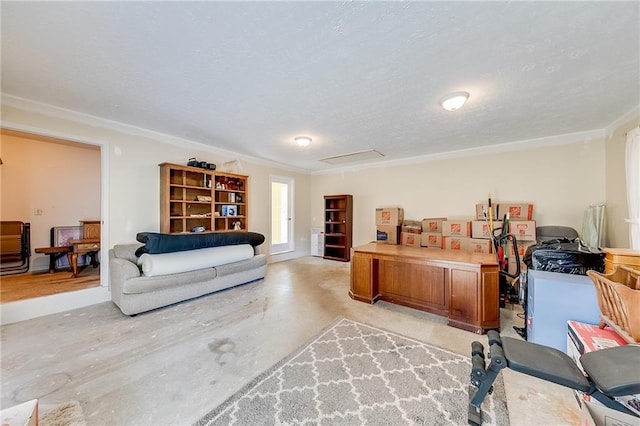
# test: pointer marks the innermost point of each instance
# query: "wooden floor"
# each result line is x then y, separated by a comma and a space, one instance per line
27, 286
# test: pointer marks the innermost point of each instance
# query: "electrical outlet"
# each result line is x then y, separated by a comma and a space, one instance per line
38, 212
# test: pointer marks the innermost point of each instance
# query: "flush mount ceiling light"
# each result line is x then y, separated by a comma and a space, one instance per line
454, 101
302, 140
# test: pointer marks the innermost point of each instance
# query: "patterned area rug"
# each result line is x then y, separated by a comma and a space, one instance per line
355, 374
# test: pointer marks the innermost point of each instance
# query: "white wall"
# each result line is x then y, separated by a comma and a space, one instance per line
60, 180
561, 181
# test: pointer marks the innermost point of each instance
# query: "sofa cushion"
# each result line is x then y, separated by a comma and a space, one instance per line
244, 265
185, 261
144, 284
155, 243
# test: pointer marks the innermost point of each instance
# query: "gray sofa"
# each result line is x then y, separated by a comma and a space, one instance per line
133, 292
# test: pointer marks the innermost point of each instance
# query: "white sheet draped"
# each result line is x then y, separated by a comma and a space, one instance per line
632, 166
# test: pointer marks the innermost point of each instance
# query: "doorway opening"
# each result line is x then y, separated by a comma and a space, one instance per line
50, 183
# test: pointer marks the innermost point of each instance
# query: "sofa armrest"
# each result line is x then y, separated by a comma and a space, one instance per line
122, 269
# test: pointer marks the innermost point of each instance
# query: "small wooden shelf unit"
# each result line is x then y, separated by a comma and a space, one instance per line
191, 197
338, 225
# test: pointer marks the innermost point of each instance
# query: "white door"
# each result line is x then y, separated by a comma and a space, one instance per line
281, 214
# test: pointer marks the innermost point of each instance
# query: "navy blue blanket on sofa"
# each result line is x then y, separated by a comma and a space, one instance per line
155, 243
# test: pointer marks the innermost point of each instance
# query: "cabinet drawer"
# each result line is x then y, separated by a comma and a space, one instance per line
88, 246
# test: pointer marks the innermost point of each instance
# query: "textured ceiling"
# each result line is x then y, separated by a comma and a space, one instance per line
355, 76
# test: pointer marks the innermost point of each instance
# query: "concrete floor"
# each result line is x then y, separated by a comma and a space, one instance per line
173, 365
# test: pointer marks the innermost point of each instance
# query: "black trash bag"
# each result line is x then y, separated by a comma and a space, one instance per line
564, 256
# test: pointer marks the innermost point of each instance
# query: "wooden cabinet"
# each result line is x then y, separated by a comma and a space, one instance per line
338, 225
191, 197
460, 286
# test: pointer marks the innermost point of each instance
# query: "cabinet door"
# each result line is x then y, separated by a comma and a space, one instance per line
463, 300
363, 281
413, 283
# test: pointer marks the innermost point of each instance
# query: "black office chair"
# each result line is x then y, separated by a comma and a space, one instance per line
547, 233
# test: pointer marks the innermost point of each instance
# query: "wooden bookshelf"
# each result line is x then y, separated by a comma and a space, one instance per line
191, 197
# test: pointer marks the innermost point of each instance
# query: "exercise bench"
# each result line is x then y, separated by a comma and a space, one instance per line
609, 373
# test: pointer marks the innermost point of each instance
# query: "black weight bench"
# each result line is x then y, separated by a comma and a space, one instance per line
611, 372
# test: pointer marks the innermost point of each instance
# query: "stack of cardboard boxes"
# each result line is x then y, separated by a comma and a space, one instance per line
459, 234
411, 233
388, 221
432, 232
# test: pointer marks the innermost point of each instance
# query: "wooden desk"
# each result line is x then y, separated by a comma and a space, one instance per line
89, 246
54, 253
461, 286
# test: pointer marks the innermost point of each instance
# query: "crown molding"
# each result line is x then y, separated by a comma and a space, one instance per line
94, 121
624, 118
522, 145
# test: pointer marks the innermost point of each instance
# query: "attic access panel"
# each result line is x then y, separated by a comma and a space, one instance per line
352, 157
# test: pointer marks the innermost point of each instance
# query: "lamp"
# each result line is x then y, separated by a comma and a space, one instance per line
302, 140
454, 101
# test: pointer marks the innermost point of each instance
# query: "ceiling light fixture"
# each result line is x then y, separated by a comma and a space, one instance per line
302, 140
454, 101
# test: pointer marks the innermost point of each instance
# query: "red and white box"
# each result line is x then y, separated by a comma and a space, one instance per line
583, 338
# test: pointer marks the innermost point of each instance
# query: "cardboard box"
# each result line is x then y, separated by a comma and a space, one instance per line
583, 338
454, 243
523, 230
516, 211
522, 248
388, 234
412, 226
480, 228
456, 228
410, 239
481, 207
431, 239
433, 224
389, 216
588, 338
512, 266
478, 245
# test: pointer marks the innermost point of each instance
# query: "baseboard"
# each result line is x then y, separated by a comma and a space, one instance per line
22, 310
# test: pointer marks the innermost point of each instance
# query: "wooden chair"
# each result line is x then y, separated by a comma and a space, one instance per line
619, 300
15, 250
